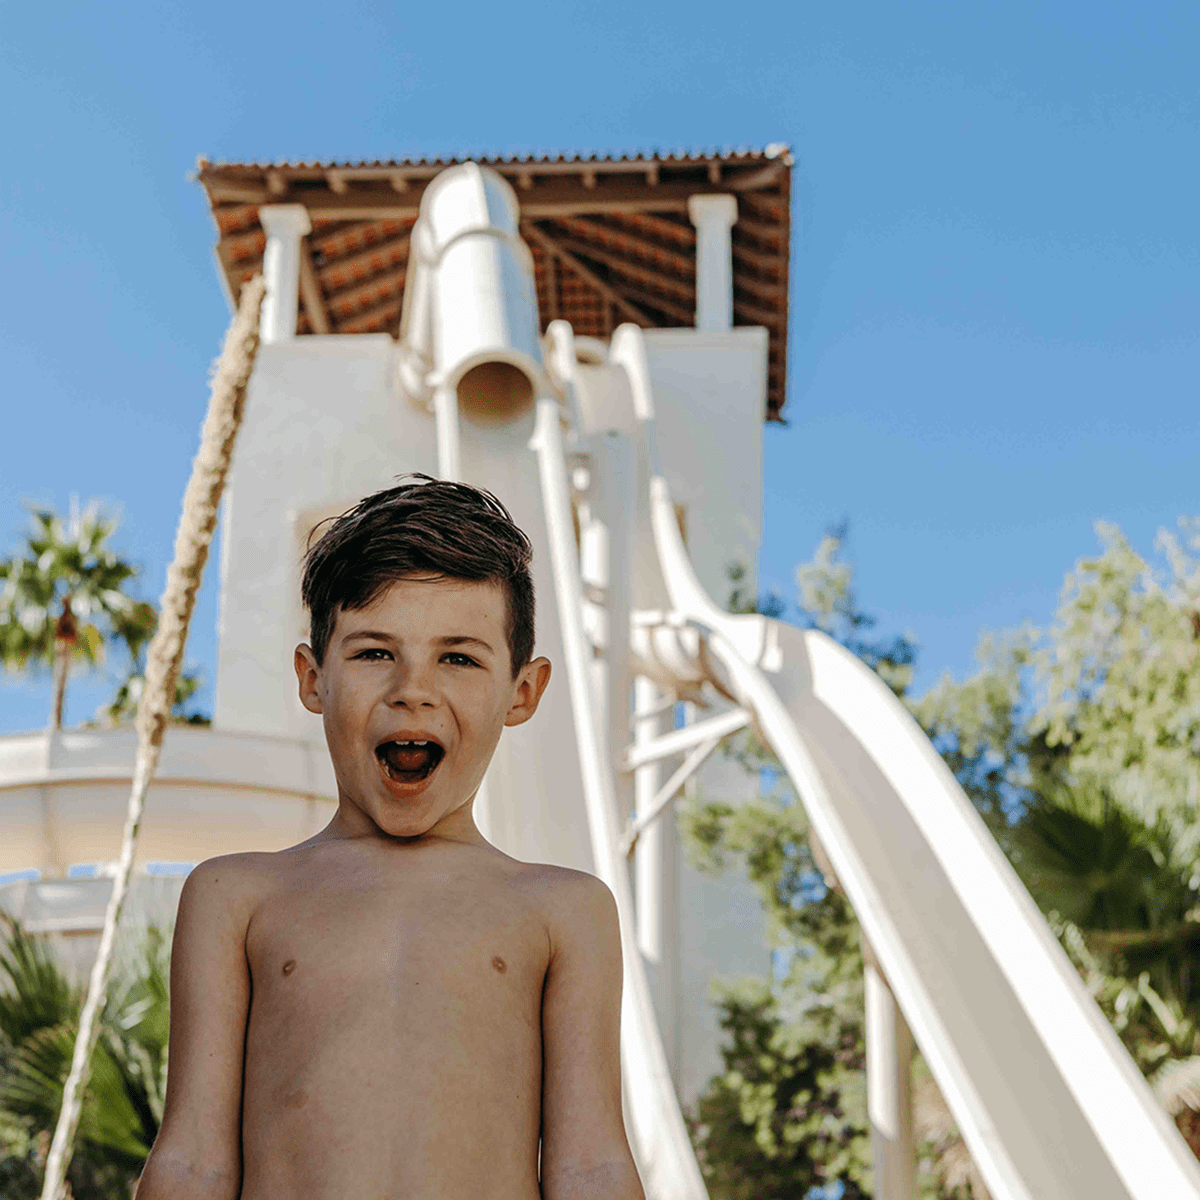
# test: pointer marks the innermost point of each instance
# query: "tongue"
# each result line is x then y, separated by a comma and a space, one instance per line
409, 760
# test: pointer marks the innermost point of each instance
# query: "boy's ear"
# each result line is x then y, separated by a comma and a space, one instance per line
308, 675
531, 683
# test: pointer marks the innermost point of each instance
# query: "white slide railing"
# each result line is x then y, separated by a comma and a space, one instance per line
1050, 1105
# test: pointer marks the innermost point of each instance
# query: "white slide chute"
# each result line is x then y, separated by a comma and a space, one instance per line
1048, 1101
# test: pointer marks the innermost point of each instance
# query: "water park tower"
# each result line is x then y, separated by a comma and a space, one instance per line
693, 251
599, 341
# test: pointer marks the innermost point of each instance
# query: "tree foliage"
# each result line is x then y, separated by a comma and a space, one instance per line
789, 1112
39, 1011
70, 565
1092, 731
64, 597
1080, 746
69, 561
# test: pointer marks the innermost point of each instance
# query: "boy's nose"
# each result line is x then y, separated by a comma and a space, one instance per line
412, 689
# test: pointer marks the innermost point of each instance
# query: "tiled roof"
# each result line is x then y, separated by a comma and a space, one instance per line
610, 236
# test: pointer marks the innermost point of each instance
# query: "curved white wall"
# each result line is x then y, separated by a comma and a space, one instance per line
63, 796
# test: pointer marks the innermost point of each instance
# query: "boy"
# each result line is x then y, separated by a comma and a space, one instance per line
394, 1008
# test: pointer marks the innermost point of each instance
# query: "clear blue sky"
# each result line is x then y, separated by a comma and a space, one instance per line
995, 284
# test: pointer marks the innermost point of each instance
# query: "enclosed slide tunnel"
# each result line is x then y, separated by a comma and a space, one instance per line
1048, 1101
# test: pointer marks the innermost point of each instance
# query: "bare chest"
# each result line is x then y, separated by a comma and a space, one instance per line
386, 1019
390, 951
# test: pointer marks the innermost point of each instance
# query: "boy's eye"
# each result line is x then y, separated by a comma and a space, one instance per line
373, 655
459, 660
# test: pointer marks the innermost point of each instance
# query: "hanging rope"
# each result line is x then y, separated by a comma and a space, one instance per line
197, 521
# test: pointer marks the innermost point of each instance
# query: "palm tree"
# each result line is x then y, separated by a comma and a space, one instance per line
197, 522
63, 599
39, 1013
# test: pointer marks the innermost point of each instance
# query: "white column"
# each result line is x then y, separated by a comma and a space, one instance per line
714, 217
285, 225
647, 854
605, 551
656, 883
445, 421
889, 1090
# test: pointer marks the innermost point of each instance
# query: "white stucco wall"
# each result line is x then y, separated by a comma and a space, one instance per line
325, 425
709, 400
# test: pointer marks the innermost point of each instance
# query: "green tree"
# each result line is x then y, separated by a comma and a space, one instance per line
788, 1112
1081, 745
39, 1013
64, 598
123, 706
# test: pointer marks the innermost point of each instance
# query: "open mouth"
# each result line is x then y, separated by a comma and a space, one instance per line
409, 762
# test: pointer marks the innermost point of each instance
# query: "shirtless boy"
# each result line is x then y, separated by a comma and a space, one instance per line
395, 1008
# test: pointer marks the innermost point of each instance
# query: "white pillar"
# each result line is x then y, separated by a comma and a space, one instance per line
714, 217
445, 421
285, 224
647, 854
889, 1090
605, 552
657, 887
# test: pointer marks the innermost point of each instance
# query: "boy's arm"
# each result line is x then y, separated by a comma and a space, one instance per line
585, 1155
198, 1152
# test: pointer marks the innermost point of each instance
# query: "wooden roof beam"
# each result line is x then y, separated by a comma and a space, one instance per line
765, 289
656, 279
238, 246
755, 258
762, 230
529, 230
391, 251
310, 292
362, 322
760, 316
684, 314
549, 198
331, 241
233, 218
750, 181
344, 301
550, 269
675, 230
606, 235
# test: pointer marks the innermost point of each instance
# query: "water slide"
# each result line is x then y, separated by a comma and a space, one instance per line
1050, 1105
1048, 1101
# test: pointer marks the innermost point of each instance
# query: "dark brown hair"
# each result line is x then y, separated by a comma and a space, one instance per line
422, 526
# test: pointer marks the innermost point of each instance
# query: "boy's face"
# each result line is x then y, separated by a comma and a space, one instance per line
414, 691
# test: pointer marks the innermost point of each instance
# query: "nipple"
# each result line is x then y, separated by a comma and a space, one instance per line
499, 964
289, 966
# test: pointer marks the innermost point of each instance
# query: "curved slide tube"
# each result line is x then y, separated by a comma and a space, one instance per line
1050, 1104
663, 1149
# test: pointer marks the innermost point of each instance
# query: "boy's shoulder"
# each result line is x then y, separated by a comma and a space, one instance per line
565, 883
232, 882
574, 901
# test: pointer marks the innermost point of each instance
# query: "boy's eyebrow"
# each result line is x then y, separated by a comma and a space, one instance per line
461, 639
466, 640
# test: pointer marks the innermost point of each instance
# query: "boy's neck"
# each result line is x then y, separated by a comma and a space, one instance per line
350, 823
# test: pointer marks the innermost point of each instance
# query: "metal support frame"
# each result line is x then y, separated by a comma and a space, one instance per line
668, 792
889, 1088
678, 740
635, 719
